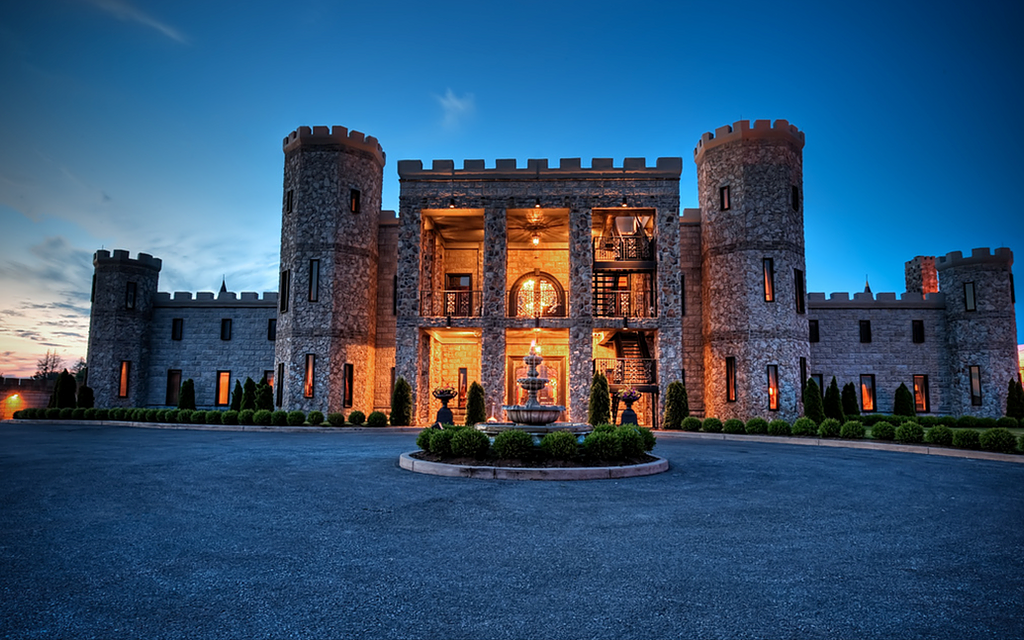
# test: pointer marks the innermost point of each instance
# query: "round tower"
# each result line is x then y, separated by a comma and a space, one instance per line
326, 325
750, 184
982, 329
123, 294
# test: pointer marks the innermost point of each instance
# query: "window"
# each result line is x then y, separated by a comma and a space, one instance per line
798, 284
867, 392
285, 281
819, 379
122, 387
921, 403
730, 379
268, 377
458, 294
970, 304
682, 294
975, 385
1013, 293
394, 296
225, 329
223, 397
795, 198
353, 200
769, 280
463, 379
917, 327
92, 292
723, 198
272, 329
814, 335
314, 280
173, 387
773, 387
307, 382
865, 331
347, 391
177, 328
129, 296
391, 391
803, 375
279, 379
289, 200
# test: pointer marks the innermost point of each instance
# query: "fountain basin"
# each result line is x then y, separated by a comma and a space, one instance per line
535, 416
492, 429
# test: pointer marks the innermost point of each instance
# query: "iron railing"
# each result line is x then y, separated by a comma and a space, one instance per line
539, 304
631, 371
624, 303
459, 303
628, 248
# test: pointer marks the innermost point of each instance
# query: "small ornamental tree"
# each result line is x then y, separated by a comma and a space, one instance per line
850, 406
813, 407
249, 395
264, 396
599, 409
187, 395
86, 400
65, 391
1015, 400
476, 411
834, 402
903, 405
401, 404
236, 397
677, 406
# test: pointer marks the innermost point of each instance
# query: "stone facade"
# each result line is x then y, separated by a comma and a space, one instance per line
597, 265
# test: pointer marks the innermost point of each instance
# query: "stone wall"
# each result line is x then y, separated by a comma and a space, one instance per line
691, 307
23, 393
384, 353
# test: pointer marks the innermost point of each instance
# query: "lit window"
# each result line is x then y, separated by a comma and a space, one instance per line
795, 198
813, 336
921, 394
867, 392
798, 284
177, 328
723, 198
314, 280
975, 385
918, 331
223, 398
279, 379
307, 383
730, 379
353, 203
970, 304
122, 387
272, 329
268, 377
173, 387
289, 200
865, 331
285, 281
225, 329
346, 394
129, 296
769, 280
773, 387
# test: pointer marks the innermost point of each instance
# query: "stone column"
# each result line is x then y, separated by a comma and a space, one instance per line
581, 349
492, 354
492, 368
407, 333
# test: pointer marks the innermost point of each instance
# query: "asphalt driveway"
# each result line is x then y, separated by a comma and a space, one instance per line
115, 532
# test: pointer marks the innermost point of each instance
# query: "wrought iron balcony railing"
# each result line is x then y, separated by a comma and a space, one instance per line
450, 303
618, 249
624, 303
631, 371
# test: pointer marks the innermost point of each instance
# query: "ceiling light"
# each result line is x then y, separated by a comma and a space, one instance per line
536, 239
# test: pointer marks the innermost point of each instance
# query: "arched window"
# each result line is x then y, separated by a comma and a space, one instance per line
537, 295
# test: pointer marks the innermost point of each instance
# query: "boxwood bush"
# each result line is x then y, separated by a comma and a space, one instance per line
939, 434
315, 418
909, 432
852, 430
1007, 422
967, 422
948, 421
152, 415
376, 419
602, 445
966, 439
604, 427
631, 443
987, 423
804, 427
441, 441
338, 420
733, 426
998, 440
883, 431
778, 428
280, 418
103, 414
422, 440
357, 417
691, 424
829, 428
296, 418
230, 417
757, 425
117, 414
470, 443
78, 413
245, 416
513, 444
711, 425
90, 414
560, 445
214, 417
263, 417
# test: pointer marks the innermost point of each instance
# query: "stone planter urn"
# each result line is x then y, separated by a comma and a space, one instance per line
629, 397
444, 414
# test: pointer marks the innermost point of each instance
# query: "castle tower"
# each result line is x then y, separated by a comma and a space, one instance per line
123, 293
750, 184
327, 315
982, 328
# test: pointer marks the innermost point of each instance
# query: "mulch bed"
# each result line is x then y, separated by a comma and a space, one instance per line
534, 464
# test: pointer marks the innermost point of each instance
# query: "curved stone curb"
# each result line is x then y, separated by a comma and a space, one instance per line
406, 461
219, 427
873, 445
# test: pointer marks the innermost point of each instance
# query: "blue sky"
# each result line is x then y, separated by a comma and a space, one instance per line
156, 126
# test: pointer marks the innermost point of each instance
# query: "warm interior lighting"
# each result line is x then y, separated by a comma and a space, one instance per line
451, 203
536, 239
537, 205
624, 201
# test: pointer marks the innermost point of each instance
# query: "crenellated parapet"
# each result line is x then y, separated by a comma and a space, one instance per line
334, 136
882, 300
223, 299
742, 130
121, 257
980, 255
567, 169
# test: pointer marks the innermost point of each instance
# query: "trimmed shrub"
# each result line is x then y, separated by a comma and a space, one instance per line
1006, 422
336, 419
677, 405
245, 416
814, 409
315, 418
236, 396
849, 400
883, 431
139, 415
927, 421
967, 422
987, 423
470, 443
711, 425
829, 428
401, 405
163, 415
214, 417
602, 445
757, 425
940, 435
248, 395
230, 417
199, 416
909, 432
691, 424
66, 413
778, 428
476, 409
185, 416
358, 417
90, 414
903, 404
296, 418
103, 414
263, 417
422, 440
998, 440
376, 419
599, 408
115, 414
631, 444
834, 403
648, 437
513, 444
733, 425
441, 441
804, 427
852, 430
280, 418
966, 439
78, 413
264, 396
86, 399
949, 421
65, 391
152, 415
560, 445
604, 427
187, 395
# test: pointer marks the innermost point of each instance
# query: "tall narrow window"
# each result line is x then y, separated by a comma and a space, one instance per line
921, 394
1013, 293
314, 280
730, 379
917, 327
795, 198
279, 380
92, 292
285, 282
803, 376
819, 379
463, 379
353, 200
798, 284
394, 296
173, 387
769, 280
682, 294
177, 328
225, 329
223, 397
122, 387
289, 200
723, 198
272, 329
970, 304
813, 336
773, 387
867, 392
975, 385
391, 390
347, 391
129, 296
865, 331
307, 379
268, 377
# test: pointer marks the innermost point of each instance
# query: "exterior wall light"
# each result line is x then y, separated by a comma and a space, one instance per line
451, 203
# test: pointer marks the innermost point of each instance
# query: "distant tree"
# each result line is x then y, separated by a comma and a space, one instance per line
677, 406
48, 367
834, 402
249, 395
599, 410
264, 396
86, 399
903, 405
187, 395
80, 371
850, 405
476, 410
66, 391
236, 397
813, 407
401, 404
1015, 399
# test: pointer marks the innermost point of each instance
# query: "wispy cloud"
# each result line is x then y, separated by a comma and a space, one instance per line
456, 109
126, 12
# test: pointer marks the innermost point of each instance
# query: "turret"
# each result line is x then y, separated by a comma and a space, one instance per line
750, 183
123, 293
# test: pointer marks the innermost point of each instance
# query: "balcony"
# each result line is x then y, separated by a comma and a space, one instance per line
634, 372
624, 303
624, 249
456, 303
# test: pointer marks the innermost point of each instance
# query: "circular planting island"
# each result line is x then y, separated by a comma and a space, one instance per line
479, 470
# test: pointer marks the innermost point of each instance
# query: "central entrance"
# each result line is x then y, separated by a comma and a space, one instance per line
553, 345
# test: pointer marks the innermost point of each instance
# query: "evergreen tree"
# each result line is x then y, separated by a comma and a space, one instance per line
249, 395
904, 402
476, 409
599, 410
677, 406
834, 402
65, 391
86, 399
264, 396
187, 395
401, 404
1015, 399
850, 405
813, 407
1020, 401
236, 397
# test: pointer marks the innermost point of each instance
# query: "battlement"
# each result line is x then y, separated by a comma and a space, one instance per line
334, 136
742, 130
568, 168
120, 256
980, 255
210, 299
883, 300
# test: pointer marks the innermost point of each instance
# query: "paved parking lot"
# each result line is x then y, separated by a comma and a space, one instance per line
116, 532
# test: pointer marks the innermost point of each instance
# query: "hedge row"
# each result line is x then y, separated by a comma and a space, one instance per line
186, 416
606, 443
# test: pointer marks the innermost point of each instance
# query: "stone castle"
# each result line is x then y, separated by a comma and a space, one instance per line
595, 265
